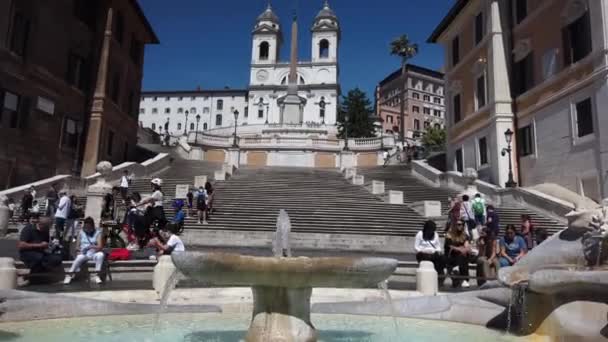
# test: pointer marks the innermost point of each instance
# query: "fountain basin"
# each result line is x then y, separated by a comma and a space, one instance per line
282, 286
224, 269
232, 328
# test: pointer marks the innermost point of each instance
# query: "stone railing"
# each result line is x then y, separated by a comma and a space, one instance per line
42, 186
280, 142
244, 130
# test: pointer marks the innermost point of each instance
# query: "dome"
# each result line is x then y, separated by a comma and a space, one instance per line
326, 12
268, 15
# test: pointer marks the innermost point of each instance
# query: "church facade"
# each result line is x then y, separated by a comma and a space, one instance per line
317, 79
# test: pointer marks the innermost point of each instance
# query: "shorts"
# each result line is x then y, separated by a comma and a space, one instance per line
201, 206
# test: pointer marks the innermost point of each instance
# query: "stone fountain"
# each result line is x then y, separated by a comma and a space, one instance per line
282, 285
568, 267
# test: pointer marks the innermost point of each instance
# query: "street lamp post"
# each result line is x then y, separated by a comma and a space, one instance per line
267, 109
198, 118
79, 129
346, 119
186, 125
508, 150
236, 118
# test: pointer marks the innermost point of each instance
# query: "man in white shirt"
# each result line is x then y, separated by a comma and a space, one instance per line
174, 243
62, 213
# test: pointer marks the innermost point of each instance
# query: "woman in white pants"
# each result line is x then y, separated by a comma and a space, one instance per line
90, 246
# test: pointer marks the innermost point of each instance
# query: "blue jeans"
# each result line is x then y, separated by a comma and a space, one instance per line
504, 262
480, 219
59, 226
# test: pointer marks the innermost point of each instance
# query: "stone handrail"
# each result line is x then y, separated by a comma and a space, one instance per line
41, 186
355, 144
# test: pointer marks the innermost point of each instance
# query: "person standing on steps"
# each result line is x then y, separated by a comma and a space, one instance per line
155, 211
201, 205
26, 205
428, 247
209, 191
492, 221
190, 198
479, 209
466, 214
61, 214
125, 181
51, 201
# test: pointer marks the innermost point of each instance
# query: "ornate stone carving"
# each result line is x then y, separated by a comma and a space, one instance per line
522, 49
574, 10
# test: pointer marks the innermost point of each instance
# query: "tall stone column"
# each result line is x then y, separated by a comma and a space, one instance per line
93, 141
499, 96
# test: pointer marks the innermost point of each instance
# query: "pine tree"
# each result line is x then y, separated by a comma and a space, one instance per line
359, 110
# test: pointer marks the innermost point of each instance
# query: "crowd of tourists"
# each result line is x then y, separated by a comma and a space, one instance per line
142, 220
473, 236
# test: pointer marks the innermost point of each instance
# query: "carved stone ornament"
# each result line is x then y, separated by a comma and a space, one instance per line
522, 49
574, 10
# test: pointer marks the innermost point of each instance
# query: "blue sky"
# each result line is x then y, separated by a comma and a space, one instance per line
208, 42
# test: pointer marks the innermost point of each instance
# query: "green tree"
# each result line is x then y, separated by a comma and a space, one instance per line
434, 139
406, 50
359, 109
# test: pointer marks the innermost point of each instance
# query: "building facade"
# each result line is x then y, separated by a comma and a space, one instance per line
176, 111
317, 79
68, 92
537, 67
424, 101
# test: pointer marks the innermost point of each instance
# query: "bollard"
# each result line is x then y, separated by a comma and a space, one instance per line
377, 187
8, 274
395, 197
426, 279
220, 175
358, 180
162, 272
350, 173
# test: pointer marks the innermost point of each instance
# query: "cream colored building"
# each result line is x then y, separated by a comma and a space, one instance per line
537, 67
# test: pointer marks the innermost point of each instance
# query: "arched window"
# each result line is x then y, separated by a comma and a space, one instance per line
437, 126
218, 120
153, 127
264, 51
179, 126
220, 105
192, 110
324, 48
180, 110
191, 126
205, 126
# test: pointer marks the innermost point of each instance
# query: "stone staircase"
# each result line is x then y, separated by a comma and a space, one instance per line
401, 178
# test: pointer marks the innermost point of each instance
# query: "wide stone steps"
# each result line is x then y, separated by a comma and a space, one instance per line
400, 178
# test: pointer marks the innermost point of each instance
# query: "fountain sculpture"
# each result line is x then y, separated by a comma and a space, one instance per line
568, 267
282, 285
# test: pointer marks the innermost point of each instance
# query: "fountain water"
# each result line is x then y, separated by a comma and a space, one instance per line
282, 285
165, 295
383, 287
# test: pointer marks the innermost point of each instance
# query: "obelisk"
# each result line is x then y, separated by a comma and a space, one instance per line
293, 105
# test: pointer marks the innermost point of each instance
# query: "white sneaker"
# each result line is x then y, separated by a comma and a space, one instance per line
67, 280
97, 280
466, 284
205, 222
133, 247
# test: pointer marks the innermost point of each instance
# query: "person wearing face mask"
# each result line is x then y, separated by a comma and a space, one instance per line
90, 247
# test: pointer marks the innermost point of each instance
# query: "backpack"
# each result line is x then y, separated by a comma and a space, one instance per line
201, 199
478, 207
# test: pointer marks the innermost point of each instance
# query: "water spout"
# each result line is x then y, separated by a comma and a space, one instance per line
164, 299
281, 246
383, 287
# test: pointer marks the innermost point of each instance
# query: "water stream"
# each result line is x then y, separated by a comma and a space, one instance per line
383, 287
517, 309
281, 245
164, 298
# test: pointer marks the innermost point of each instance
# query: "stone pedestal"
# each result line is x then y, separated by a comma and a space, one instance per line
426, 279
200, 181
163, 271
395, 197
347, 160
358, 180
428, 208
219, 176
350, 173
4, 216
8, 274
97, 191
377, 187
233, 157
281, 314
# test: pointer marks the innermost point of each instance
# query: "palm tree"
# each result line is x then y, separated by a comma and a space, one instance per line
405, 49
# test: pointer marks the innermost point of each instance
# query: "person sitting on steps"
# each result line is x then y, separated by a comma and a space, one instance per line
457, 252
34, 250
174, 243
90, 247
487, 258
428, 247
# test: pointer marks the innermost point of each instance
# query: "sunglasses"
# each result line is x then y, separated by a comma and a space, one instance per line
459, 224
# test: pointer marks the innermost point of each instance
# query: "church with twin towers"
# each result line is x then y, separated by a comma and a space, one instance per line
294, 91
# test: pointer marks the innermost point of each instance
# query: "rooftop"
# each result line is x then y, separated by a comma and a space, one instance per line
412, 68
447, 20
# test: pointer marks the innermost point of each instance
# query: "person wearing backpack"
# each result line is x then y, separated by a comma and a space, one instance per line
201, 205
466, 215
479, 209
